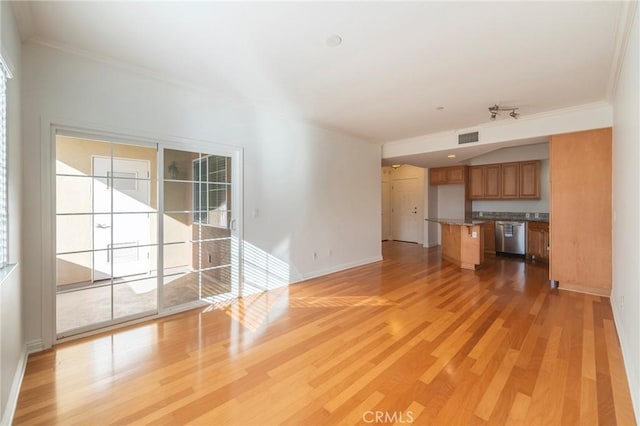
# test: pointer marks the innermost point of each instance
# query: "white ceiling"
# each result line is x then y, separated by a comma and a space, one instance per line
398, 61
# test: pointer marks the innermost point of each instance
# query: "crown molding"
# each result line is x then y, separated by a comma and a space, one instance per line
24, 18
628, 11
107, 60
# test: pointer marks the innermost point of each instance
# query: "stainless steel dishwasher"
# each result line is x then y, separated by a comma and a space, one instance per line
510, 237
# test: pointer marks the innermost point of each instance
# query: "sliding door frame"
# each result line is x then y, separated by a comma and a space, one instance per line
50, 129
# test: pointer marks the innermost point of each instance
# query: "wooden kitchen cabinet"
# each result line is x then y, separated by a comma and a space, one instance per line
529, 179
510, 174
476, 183
538, 241
454, 175
504, 181
492, 187
489, 230
437, 176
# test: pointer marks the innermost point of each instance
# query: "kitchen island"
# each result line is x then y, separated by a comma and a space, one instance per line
462, 241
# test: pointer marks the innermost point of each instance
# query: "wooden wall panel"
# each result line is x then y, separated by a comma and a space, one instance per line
580, 207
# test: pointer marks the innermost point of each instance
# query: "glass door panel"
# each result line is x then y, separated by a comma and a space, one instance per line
197, 227
106, 198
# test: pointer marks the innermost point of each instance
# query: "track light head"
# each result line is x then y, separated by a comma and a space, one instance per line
496, 109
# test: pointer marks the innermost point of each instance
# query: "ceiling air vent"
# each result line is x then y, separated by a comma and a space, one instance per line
468, 138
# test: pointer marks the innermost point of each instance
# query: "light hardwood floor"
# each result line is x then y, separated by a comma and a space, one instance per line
408, 338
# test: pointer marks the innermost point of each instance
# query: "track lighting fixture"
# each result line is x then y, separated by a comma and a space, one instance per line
496, 109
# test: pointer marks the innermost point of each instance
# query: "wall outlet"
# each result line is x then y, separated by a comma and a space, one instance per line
474, 234
481, 214
536, 215
526, 215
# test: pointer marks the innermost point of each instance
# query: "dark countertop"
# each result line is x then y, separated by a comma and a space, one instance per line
462, 222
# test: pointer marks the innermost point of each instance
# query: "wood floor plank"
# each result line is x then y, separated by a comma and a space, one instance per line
410, 334
519, 410
588, 402
496, 386
621, 397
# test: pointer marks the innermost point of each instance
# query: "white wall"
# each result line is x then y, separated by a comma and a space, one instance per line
625, 294
12, 343
519, 153
316, 190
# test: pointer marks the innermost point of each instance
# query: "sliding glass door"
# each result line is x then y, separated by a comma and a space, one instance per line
140, 230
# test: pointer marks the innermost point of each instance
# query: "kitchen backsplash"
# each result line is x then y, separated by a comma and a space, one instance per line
544, 217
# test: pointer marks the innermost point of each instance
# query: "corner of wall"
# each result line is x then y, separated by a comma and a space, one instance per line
630, 363
14, 392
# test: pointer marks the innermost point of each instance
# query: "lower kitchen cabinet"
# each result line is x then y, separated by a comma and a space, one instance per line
538, 241
489, 230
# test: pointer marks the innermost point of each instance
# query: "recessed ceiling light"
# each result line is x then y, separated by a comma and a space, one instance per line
334, 40
451, 156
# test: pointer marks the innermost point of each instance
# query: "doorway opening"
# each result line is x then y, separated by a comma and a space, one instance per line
403, 189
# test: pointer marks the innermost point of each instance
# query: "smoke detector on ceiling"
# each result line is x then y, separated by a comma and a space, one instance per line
334, 40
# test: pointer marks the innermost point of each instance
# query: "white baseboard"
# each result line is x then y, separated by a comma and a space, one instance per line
337, 268
12, 400
630, 365
34, 346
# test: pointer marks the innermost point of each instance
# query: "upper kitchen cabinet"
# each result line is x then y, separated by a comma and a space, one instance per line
510, 173
505, 181
530, 179
580, 227
438, 176
476, 183
492, 184
454, 175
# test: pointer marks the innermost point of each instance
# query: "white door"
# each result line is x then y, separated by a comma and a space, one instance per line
386, 211
405, 222
124, 229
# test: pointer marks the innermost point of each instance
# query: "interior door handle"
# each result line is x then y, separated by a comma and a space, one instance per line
102, 226
233, 224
